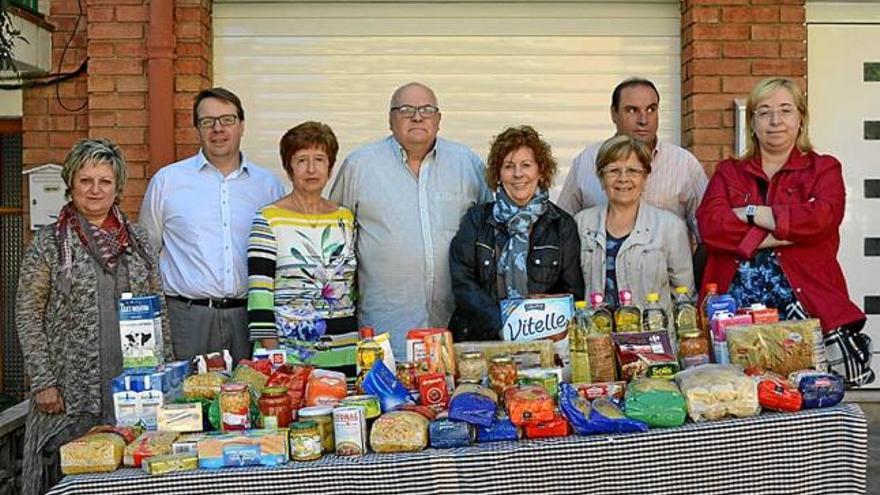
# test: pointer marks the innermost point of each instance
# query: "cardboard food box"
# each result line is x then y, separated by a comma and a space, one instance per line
181, 418
140, 331
137, 398
540, 318
244, 448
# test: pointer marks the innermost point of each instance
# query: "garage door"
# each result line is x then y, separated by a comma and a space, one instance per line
551, 65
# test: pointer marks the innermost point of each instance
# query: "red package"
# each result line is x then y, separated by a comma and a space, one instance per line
775, 393
294, 378
529, 404
597, 390
325, 388
263, 366
432, 391
556, 427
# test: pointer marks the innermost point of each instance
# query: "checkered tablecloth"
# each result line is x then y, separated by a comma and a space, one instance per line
810, 452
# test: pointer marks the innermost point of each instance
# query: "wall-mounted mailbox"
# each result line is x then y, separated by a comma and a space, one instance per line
46, 194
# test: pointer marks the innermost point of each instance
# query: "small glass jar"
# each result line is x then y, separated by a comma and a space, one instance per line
693, 349
406, 373
323, 417
275, 407
235, 407
502, 373
472, 366
305, 441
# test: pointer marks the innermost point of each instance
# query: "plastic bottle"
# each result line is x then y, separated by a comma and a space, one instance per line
684, 313
704, 317
579, 329
601, 315
654, 318
628, 317
368, 352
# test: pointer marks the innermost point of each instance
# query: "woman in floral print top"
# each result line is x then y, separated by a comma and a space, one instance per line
301, 258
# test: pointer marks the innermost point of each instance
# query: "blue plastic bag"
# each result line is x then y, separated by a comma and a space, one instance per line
382, 383
819, 389
446, 433
473, 408
502, 429
603, 416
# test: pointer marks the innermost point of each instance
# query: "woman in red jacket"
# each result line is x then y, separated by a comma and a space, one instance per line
770, 223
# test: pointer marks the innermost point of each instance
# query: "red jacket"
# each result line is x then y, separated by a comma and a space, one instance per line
808, 197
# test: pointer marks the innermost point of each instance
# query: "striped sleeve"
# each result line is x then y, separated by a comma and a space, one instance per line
262, 252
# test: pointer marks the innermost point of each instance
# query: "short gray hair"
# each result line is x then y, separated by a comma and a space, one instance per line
95, 151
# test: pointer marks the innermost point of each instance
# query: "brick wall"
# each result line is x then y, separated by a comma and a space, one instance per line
727, 47
112, 97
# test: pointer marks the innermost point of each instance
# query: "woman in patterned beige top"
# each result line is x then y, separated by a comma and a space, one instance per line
72, 277
301, 258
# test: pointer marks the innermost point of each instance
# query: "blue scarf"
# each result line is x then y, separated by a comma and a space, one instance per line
519, 221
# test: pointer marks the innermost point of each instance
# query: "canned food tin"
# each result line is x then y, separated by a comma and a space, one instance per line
350, 429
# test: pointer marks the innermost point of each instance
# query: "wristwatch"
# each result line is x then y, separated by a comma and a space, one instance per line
751, 211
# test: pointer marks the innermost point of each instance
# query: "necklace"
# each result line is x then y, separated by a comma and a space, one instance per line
310, 216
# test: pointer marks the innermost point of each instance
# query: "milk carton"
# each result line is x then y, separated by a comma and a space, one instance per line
540, 318
137, 398
140, 331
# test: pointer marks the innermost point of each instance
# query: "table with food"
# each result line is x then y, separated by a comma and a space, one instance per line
708, 399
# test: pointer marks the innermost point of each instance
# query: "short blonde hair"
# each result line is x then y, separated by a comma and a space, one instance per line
619, 148
95, 152
758, 94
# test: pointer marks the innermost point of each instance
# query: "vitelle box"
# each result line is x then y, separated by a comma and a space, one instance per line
540, 318
140, 331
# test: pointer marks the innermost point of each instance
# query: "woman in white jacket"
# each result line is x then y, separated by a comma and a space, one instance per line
628, 244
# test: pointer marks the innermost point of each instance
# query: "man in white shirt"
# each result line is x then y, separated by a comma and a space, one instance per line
198, 213
677, 181
408, 192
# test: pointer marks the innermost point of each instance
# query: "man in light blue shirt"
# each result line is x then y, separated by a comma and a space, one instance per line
198, 214
408, 192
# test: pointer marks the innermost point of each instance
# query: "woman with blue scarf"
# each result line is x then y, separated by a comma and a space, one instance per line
521, 244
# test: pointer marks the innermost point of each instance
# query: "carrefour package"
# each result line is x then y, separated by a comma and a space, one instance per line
98, 451
714, 391
500, 430
656, 402
783, 347
446, 433
529, 404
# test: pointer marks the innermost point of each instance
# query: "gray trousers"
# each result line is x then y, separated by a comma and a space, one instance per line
199, 329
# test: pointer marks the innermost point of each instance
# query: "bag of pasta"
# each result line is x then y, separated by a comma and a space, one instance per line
601, 416
98, 451
713, 391
399, 431
655, 401
205, 385
782, 347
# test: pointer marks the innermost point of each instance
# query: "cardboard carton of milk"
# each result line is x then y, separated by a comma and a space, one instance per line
538, 318
140, 331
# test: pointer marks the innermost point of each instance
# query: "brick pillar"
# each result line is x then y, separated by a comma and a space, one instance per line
117, 85
193, 68
110, 99
727, 47
53, 117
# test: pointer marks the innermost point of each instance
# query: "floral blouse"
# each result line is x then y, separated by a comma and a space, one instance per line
299, 264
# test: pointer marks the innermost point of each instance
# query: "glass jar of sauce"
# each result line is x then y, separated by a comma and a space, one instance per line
693, 349
275, 407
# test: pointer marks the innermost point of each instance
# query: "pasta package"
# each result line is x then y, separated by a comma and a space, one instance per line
205, 385
151, 443
255, 380
714, 391
399, 431
98, 451
783, 347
